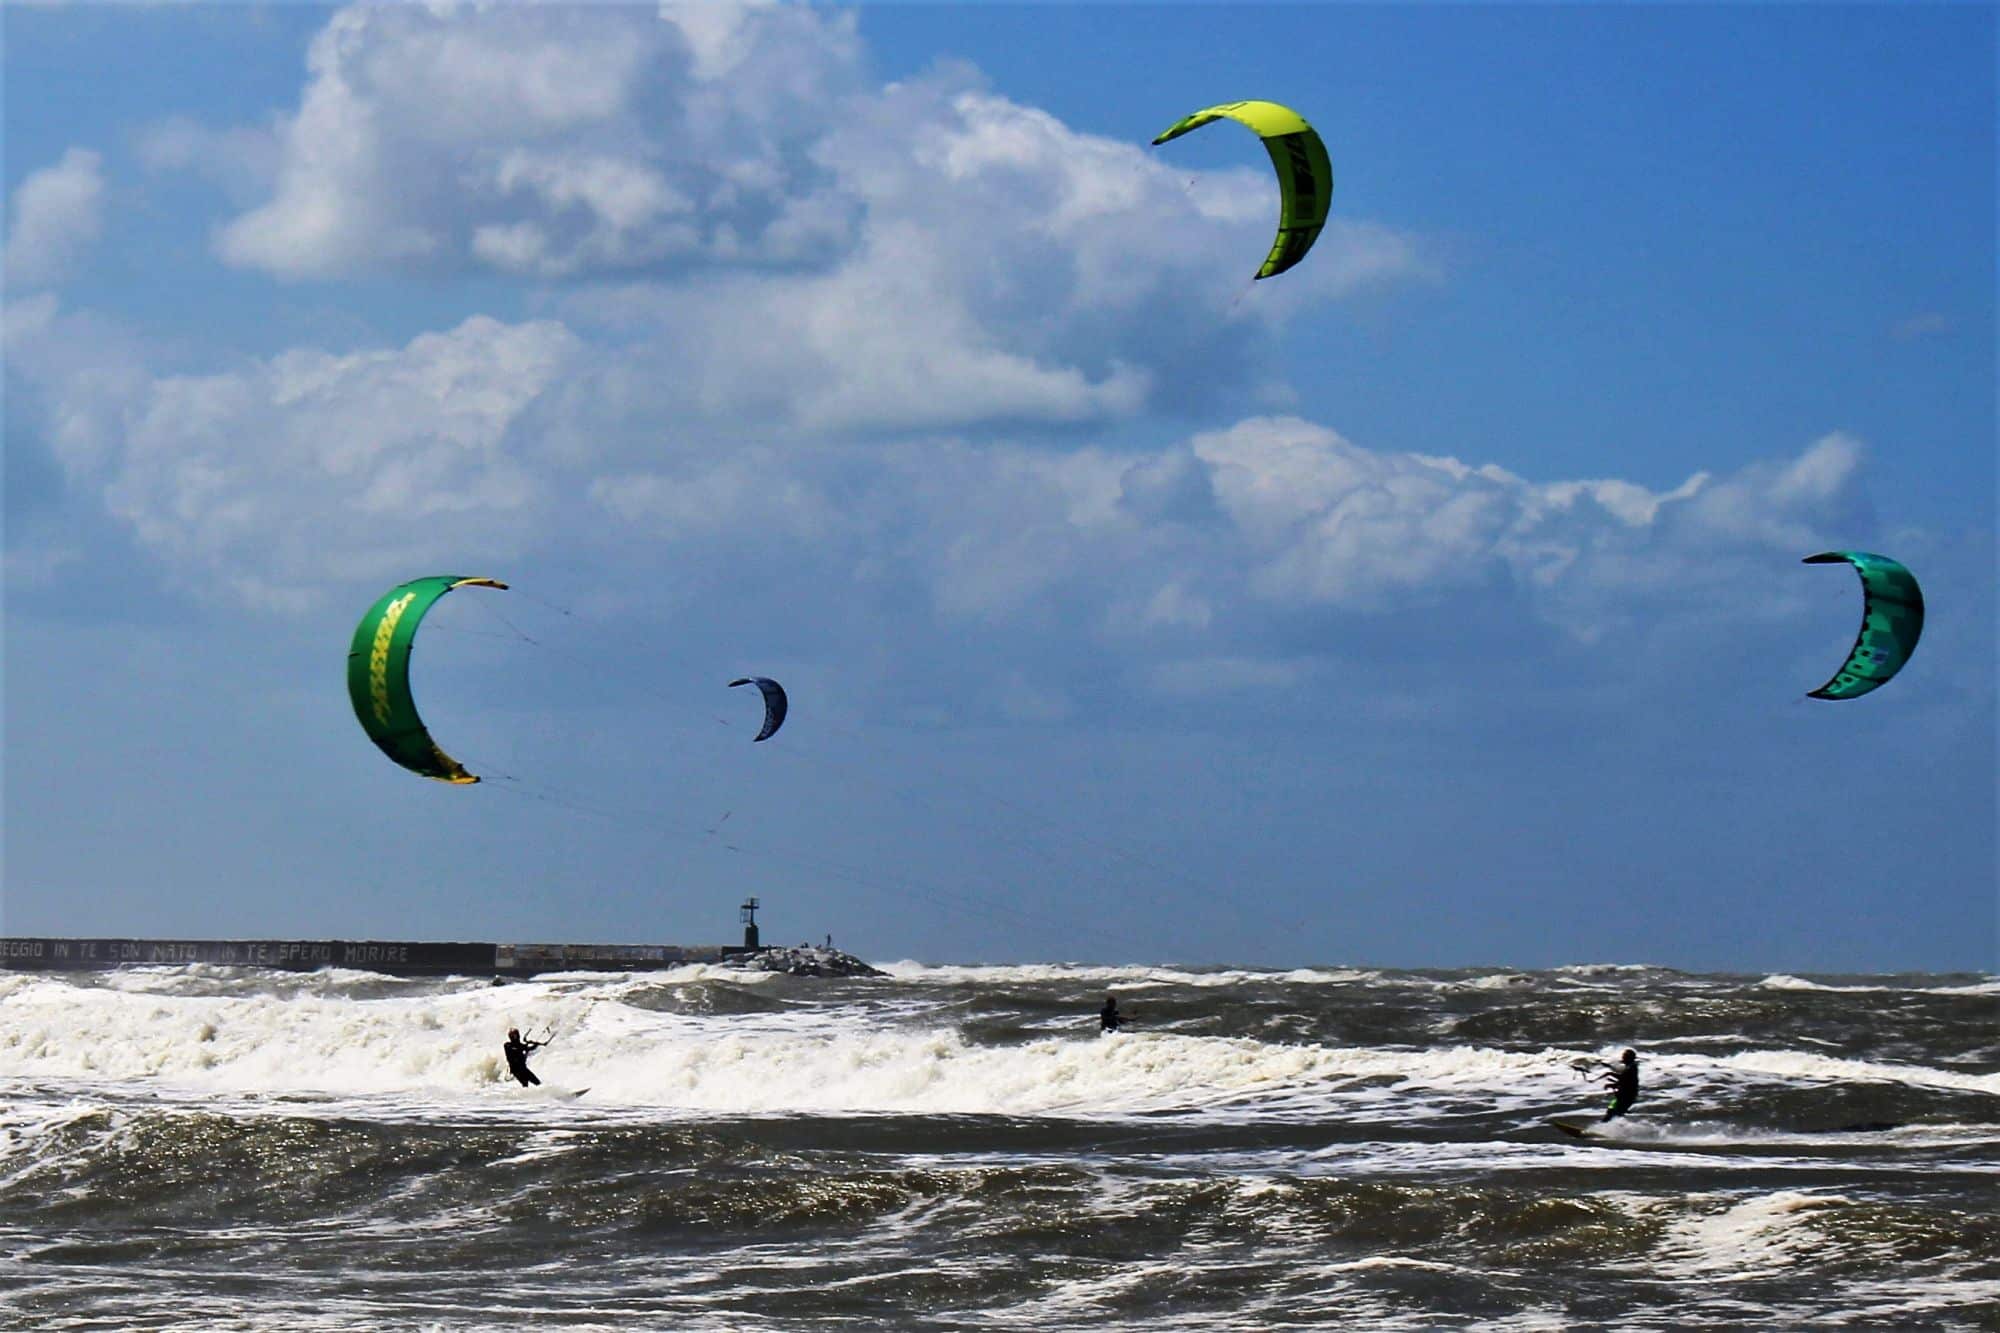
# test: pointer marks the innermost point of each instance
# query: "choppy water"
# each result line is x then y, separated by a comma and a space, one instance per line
957, 1148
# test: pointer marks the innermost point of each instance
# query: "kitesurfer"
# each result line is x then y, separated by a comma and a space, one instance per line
1623, 1080
1108, 1017
517, 1056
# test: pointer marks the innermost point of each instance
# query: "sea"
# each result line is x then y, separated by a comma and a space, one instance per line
952, 1147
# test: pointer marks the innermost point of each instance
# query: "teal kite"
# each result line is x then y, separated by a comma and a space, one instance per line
1305, 174
378, 675
1892, 616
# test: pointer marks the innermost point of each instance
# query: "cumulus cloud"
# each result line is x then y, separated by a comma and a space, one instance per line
1223, 563
870, 335
308, 464
1325, 522
1226, 539
541, 140
801, 248
268, 480
58, 214
1779, 505
743, 494
1000, 268
242, 162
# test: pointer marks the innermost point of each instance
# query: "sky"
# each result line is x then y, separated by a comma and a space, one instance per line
1438, 602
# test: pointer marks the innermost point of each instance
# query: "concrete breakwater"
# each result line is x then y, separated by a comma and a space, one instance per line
411, 958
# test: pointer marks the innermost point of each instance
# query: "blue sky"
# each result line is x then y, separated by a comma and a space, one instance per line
1437, 602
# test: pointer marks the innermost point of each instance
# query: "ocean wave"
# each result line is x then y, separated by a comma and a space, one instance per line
1810, 1066
1608, 969
1903, 983
1748, 1237
771, 1150
787, 1060
700, 1040
1785, 981
1127, 976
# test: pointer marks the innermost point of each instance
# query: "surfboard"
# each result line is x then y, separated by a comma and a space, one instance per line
1574, 1131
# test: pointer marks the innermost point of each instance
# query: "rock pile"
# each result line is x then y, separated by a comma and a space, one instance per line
803, 960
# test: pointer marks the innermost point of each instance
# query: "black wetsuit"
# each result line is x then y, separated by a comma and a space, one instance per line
1624, 1085
1108, 1017
517, 1060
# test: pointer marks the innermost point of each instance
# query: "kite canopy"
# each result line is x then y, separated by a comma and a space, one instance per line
1305, 175
378, 675
774, 702
1892, 616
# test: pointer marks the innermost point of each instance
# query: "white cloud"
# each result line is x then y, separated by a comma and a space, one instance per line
1266, 524
888, 341
994, 267
859, 332
720, 498
316, 461
615, 213
243, 161
273, 478
538, 139
58, 214
804, 251
996, 271
1171, 604
1330, 523
85, 369
1777, 504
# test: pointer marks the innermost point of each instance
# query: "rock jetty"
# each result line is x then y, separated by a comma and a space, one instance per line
802, 960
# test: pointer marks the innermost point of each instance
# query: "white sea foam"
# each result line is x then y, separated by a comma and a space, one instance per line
445, 1043
27, 1123
1500, 981
1606, 969
1761, 1236
1390, 1261
1785, 981
88, 1063
1910, 1302
439, 1045
1125, 977
1683, 1134
1805, 1065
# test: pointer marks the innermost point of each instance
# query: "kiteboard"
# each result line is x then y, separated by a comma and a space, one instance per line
1574, 1131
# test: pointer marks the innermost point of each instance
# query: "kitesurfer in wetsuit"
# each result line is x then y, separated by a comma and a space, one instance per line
1623, 1080
1108, 1017
517, 1056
